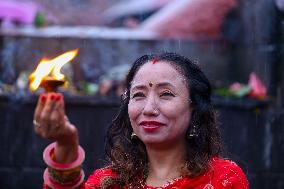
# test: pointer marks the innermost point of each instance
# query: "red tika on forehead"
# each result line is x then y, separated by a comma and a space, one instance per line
155, 60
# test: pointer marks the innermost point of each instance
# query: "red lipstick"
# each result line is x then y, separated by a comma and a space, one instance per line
151, 126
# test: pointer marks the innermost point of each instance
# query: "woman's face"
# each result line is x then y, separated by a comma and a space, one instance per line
159, 107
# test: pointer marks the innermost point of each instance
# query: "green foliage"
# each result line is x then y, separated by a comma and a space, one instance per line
40, 20
243, 91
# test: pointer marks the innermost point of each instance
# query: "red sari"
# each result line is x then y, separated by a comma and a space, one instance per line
222, 174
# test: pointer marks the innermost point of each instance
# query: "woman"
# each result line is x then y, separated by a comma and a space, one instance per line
164, 135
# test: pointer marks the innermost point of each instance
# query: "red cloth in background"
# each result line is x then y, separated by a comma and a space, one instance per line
258, 89
194, 19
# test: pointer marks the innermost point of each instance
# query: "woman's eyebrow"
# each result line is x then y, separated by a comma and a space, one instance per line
165, 84
138, 87
158, 85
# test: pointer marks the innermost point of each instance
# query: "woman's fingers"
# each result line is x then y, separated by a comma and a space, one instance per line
49, 116
38, 110
44, 119
54, 124
57, 117
40, 105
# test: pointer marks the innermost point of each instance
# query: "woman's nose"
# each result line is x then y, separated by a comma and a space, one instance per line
151, 107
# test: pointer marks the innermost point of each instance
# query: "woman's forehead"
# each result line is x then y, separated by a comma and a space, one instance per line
160, 72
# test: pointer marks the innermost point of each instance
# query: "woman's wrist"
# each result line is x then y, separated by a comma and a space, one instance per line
70, 136
65, 150
65, 154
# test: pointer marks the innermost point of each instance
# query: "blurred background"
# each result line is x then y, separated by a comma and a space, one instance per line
237, 43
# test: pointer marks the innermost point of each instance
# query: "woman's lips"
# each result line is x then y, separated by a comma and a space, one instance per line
151, 126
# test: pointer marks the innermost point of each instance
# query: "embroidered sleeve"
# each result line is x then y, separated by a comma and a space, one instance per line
232, 177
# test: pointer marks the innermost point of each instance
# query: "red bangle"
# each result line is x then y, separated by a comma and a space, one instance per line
63, 176
49, 151
52, 184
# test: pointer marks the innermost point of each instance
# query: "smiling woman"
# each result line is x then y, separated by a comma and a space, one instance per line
150, 109
164, 135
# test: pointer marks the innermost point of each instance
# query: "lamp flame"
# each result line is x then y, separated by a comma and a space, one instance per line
50, 68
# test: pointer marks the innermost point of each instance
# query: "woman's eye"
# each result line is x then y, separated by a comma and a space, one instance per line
167, 93
139, 94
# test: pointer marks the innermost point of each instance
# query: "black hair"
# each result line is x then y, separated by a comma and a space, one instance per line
129, 157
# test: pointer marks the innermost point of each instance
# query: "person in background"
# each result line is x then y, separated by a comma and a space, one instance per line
164, 135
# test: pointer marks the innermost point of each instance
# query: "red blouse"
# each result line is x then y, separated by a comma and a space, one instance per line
223, 174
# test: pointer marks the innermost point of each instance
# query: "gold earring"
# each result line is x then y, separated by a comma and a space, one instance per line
133, 135
193, 132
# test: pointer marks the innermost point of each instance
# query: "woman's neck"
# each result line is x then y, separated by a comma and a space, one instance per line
165, 164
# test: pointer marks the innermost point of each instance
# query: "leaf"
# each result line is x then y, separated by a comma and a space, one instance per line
243, 91
40, 20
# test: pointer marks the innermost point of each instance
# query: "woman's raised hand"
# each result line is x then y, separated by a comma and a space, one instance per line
50, 122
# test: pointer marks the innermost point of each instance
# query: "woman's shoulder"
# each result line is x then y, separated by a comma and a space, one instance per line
95, 179
225, 165
228, 174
